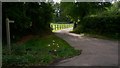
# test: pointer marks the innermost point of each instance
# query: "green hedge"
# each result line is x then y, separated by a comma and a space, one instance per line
103, 25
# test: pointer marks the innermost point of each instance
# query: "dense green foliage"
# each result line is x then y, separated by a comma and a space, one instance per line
100, 25
41, 15
38, 51
29, 17
14, 11
105, 23
59, 16
81, 9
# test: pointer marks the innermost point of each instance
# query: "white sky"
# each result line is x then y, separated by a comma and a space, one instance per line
57, 1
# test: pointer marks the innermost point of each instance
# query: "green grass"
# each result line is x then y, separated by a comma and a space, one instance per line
100, 36
38, 52
96, 35
108, 37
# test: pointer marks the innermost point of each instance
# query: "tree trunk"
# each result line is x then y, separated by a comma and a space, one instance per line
75, 25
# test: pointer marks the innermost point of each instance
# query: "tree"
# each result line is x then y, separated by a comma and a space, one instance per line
58, 15
78, 10
115, 9
16, 12
39, 14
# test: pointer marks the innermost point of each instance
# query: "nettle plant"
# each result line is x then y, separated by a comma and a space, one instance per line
54, 46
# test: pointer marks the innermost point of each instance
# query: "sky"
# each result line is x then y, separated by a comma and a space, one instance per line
57, 1
87, 0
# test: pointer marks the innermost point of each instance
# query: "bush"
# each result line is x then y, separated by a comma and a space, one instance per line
102, 25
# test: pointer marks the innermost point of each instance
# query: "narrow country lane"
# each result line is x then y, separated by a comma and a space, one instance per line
95, 52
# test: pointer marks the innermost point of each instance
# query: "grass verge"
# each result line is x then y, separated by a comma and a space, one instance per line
108, 37
38, 52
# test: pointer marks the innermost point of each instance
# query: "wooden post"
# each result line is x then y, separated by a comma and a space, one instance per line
60, 26
8, 33
57, 27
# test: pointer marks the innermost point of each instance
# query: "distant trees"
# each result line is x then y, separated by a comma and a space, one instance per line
66, 9
29, 17
59, 16
76, 11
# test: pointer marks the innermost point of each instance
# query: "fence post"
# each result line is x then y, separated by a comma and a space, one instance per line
60, 26
57, 26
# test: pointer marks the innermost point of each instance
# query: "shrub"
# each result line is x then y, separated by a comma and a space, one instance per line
102, 25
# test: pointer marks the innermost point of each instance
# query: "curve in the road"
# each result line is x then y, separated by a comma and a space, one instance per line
95, 52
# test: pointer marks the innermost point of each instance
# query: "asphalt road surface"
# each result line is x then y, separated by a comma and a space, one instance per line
95, 52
